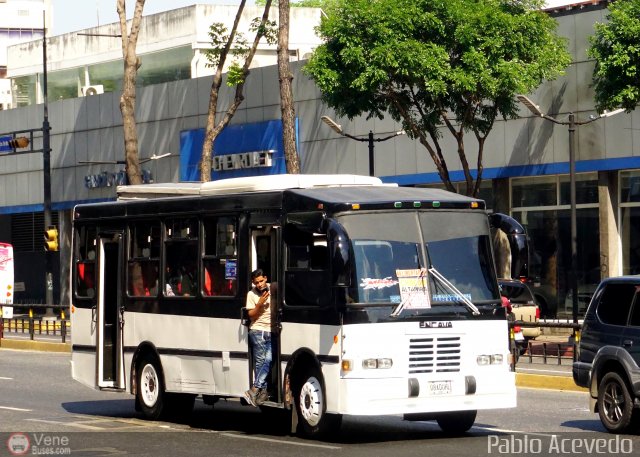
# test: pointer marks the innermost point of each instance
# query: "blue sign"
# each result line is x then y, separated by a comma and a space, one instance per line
4, 143
240, 150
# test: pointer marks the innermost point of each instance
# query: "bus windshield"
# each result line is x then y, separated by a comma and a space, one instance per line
457, 245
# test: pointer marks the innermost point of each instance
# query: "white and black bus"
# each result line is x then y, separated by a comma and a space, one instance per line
384, 298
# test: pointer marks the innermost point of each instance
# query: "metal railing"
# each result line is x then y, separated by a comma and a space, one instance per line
542, 350
26, 322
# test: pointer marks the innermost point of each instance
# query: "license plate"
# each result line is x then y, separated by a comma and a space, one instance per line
439, 387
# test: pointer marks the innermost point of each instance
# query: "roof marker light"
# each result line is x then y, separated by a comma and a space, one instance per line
355, 206
436, 204
320, 205
397, 204
474, 205
417, 204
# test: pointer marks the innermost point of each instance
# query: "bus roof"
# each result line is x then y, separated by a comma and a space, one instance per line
244, 185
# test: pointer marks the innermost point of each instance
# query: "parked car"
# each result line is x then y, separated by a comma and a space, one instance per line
609, 354
524, 306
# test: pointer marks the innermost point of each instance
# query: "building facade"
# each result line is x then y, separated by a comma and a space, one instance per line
171, 45
20, 21
526, 160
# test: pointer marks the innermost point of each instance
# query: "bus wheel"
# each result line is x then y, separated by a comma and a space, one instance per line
311, 406
150, 391
456, 423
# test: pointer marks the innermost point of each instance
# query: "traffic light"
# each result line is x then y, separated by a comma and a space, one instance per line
51, 239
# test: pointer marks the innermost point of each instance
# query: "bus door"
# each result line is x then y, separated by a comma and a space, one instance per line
110, 311
265, 254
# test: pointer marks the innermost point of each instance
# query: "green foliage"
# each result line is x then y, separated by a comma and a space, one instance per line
301, 3
616, 48
423, 60
219, 36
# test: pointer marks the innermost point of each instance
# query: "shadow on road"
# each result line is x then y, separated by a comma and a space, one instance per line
231, 417
102, 408
587, 425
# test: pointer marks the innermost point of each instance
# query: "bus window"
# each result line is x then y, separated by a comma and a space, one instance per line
307, 273
219, 262
86, 262
144, 260
181, 253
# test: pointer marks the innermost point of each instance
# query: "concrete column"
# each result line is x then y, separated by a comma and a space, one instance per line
610, 262
501, 203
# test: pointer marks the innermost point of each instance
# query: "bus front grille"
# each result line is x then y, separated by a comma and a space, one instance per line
434, 354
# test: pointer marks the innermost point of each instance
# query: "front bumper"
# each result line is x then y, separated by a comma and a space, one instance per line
387, 396
581, 374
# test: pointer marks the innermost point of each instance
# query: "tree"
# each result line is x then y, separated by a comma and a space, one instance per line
285, 78
227, 43
128, 98
436, 66
616, 48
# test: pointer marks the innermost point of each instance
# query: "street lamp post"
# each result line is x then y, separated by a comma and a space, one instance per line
369, 138
571, 123
46, 167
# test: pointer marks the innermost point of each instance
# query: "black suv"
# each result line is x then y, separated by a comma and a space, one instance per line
609, 354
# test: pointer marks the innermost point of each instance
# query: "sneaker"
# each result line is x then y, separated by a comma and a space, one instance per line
262, 397
250, 397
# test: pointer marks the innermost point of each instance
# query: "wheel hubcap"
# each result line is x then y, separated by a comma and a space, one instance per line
149, 385
613, 402
311, 401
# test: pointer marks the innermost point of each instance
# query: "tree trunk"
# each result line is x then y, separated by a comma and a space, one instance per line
286, 93
128, 97
212, 130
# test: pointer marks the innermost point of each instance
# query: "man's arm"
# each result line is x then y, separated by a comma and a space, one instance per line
254, 310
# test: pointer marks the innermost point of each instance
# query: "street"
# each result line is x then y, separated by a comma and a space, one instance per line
39, 400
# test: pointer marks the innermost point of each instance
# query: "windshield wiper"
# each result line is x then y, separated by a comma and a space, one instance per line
451, 288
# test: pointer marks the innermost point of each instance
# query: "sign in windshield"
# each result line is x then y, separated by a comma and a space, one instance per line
390, 266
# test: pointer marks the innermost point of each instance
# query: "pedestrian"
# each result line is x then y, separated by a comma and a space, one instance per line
259, 311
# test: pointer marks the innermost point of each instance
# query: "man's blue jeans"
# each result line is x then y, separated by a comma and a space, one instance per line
261, 346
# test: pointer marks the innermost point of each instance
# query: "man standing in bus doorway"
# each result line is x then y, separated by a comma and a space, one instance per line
259, 311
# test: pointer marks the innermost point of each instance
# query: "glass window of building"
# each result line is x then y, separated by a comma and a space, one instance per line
541, 205
630, 221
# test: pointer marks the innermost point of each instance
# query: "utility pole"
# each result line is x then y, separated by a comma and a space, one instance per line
46, 167
370, 139
571, 123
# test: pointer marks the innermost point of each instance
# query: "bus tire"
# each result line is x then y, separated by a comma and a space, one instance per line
458, 422
311, 405
150, 395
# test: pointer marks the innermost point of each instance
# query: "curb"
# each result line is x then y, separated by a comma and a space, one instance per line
29, 345
538, 381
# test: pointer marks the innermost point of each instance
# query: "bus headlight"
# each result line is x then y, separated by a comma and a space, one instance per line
371, 364
493, 359
483, 360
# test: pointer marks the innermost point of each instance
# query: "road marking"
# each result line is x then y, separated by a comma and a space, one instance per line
70, 424
6, 379
271, 440
15, 409
504, 430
